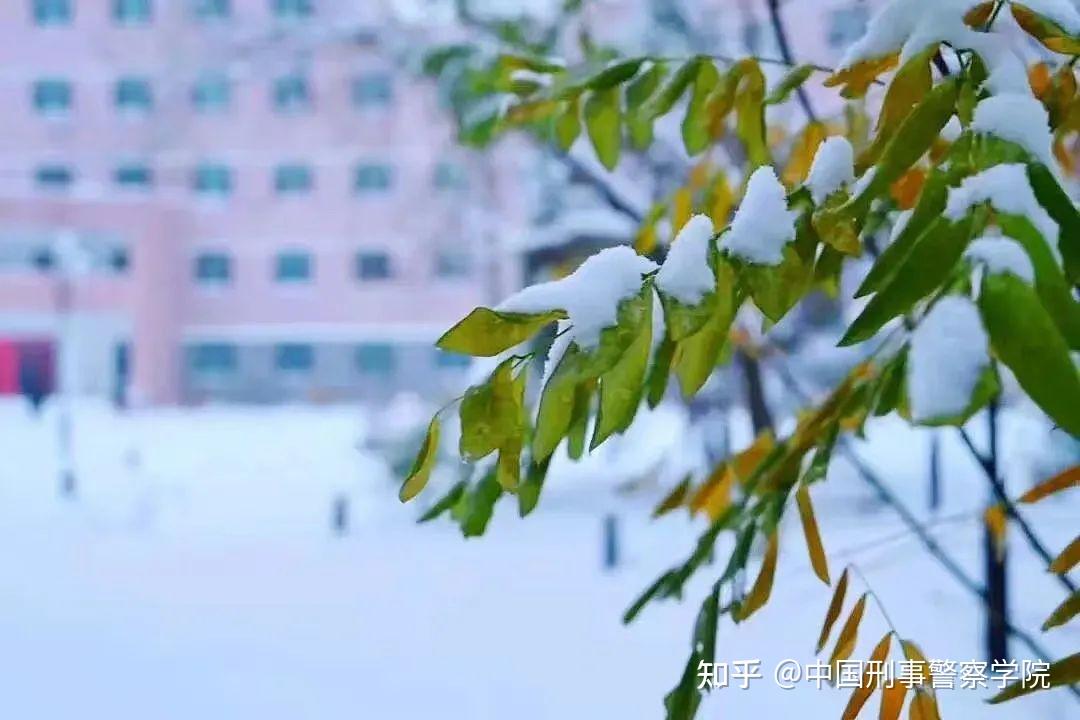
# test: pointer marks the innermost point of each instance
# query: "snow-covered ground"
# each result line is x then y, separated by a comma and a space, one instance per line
195, 576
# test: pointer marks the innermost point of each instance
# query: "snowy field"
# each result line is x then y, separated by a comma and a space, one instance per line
196, 576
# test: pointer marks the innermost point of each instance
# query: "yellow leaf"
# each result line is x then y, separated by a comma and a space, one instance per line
978, 16
905, 191
485, 332
508, 467
997, 523
845, 643
425, 461
645, 242
892, 700
802, 153
922, 668
1064, 672
699, 175
1039, 79
747, 461
714, 496
1045, 31
759, 593
857, 78
813, 537
722, 200
682, 205
1068, 558
908, 87
674, 499
1062, 481
1065, 612
870, 678
833, 612
923, 706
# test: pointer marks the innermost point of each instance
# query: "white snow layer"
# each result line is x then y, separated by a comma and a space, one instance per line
832, 168
949, 351
686, 274
1006, 187
762, 225
911, 26
1017, 118
590, 295
901, 221
1062, 12
1000, 254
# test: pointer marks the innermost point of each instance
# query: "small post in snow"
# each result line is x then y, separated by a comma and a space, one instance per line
339, 515
611, 542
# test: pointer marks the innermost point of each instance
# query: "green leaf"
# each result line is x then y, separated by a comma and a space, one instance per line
776, 288
791, 82
684, 320
931, 205
579, 420
696, 356
621, 386
925, 268
908, 86
445, 503
750, 113
660, 371
1025, 338
1061, 208
492, 414
603, 120
567, 124
682, 702
986, 388
654, 590
529, 490
509, 63
663, 101
422, 466
480, 506
614, 75
508, 467
1050, 283
912, 139
486, 333
891, 384
438, 59
638, 123
556, 405
695, 126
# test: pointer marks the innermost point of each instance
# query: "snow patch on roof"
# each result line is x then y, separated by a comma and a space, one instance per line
590, 295
832, 168
762, 225
949, 351
1017, 118
686, 274
1000, 254
1007, 189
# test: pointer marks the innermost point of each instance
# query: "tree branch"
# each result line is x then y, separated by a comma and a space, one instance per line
1011, 510
785, 53
606, 191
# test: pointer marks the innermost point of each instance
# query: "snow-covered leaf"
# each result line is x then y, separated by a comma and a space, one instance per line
1045, 30
486, 333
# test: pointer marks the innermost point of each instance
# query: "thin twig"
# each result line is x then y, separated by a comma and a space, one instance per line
1011, 510
785, 53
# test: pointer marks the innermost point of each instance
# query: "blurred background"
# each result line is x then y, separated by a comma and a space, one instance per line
230, 232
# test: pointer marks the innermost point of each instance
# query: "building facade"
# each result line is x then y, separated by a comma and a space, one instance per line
257, 202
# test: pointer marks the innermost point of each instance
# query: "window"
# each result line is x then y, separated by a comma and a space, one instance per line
449, 176
54, 177
846, 25
133, 95
213, 180
213, 268
211, 93
372, 90
294, 357
292, 178
212, 9
372, 266
52, 12
52, 97
451, 361
212, 358
132, 12
375, 359
373, 178
293, 9
291, 93
293, 266
453, 264
134, 176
